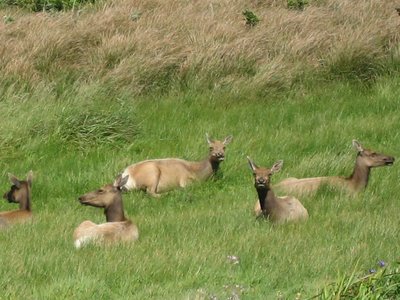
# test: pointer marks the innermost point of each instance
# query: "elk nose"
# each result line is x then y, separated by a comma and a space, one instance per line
389, 160
261, 180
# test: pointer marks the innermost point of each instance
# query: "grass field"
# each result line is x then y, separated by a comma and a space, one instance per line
186, 236
80, 105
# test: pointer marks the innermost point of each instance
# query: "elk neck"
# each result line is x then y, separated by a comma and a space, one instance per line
25, 198
205, 168
115, 211
267, 199
360, 176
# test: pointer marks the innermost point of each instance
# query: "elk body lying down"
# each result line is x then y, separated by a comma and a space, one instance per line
157, 176
276, 209
117, 228
357, 181
20, 192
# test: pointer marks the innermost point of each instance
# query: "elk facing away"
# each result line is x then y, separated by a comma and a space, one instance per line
276, 209
366, 159
117, 228
157, 176
20, 193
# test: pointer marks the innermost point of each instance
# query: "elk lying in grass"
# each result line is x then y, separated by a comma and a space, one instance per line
20, 192
276, 209
366, 159
157, 176
117, 228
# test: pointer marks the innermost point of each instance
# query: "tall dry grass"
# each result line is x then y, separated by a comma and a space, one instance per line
201, 43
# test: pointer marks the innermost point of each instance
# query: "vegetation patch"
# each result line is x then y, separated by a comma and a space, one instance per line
380, 283
47, 5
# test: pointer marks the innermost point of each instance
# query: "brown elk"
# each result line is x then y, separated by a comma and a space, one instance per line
357, 181
276, 209
20, 192
117, 229
157, 176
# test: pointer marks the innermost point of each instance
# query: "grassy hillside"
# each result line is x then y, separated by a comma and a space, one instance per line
85, 93
148, 46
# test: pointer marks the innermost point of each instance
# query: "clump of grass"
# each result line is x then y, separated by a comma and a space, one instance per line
96, 127
88, 126
381, 283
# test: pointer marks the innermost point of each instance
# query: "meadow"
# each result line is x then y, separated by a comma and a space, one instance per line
81, 102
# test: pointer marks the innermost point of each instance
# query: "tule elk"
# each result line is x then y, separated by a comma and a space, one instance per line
117, 229
157, 176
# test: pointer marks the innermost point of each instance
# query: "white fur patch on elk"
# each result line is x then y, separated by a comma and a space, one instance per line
356, 182
20, 192
276, 209
117, 229
157, 176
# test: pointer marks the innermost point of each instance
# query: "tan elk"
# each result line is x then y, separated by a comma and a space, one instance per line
276, 209
357, 181
117, 229
20, 192
157, 176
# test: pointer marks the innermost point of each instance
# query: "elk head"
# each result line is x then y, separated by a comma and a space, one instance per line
106, 195
262, 176
20, 190
371, 158
217, 148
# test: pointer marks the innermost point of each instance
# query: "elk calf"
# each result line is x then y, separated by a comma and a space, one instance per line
157, 176
20, 192
276, 209
117, 228
356, 182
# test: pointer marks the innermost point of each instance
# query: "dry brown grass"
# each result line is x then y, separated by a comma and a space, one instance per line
200, 43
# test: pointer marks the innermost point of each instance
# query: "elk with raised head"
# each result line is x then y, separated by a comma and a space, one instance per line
276, 209
157, 176
356, 182
20, 192
117, 229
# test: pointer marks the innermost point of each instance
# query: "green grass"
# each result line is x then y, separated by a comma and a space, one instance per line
186, 236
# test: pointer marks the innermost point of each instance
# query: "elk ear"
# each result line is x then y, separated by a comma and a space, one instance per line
124, 180
29, 178
121, 181
227, 140
252, 165
358, 146
277, 166
14, 180
208, 139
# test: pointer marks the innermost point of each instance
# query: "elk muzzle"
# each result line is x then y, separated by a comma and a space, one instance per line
219, 156
389, 160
